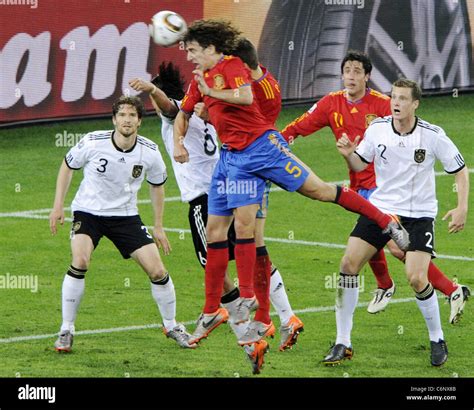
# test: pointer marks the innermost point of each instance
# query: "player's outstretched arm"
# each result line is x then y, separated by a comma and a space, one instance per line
180, 127
458, 215
62, 186
347, 148
158, 96
157, 195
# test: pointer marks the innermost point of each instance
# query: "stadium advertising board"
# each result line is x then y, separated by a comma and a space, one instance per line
64, 59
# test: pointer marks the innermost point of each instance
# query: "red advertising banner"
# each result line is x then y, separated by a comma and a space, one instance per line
68, 58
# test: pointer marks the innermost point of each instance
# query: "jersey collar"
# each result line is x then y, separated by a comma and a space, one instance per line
367, 91
407, 133
120, 149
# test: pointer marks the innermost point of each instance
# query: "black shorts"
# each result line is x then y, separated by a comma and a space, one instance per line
128, 233
198, 222
421, 232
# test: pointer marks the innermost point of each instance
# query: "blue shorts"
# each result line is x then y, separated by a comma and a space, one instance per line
240, 177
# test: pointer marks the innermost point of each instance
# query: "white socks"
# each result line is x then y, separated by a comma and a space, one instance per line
72, 292
427, 301
163, 292
279, 298
346, 302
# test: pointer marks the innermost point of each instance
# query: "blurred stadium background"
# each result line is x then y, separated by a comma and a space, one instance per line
69, 60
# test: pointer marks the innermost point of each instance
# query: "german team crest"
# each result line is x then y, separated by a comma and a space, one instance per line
76, 226
420, 155
137, 171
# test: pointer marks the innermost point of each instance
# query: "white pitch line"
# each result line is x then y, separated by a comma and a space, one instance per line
159, 326
169, 199
268, 239
340, 246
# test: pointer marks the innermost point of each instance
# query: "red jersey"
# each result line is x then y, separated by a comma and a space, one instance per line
237, 125
267, 92
343, 116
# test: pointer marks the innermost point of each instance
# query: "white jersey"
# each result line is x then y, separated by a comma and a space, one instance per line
112, 177
193, 177
404, 166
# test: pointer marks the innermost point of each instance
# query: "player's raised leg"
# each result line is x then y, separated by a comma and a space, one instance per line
315, 188
292, 174
73, 288
163, 292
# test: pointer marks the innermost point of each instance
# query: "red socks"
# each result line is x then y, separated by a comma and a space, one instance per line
437, 278
379, 266
245, 255
440, 281
262, 285
217, 261
353, 202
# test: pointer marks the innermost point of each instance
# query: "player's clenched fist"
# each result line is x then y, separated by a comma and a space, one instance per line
180, 153
141, 85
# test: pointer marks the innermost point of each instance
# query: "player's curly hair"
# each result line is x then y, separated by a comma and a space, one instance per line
170, 80
129, 100
219, 33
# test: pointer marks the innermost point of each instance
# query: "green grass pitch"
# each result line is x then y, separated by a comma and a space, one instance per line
393, 343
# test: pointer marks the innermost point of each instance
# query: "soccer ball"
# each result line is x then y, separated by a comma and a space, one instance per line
167, 28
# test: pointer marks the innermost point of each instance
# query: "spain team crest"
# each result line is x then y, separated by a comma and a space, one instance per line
369, 118
219, 82
420, 155
137, 171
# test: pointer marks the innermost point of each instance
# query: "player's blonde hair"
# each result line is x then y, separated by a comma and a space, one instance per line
405, 83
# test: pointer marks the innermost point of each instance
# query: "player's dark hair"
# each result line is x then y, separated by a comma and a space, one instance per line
247, 52
354, 55
127, 100
405, 83
219, 33
170, 80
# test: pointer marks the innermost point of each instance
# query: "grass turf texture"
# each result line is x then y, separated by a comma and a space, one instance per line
393, 343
